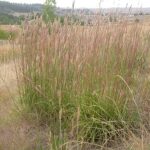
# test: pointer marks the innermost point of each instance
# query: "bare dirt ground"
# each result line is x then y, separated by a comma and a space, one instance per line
16, 133
11, 132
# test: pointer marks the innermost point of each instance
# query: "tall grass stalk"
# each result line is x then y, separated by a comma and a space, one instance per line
82, 80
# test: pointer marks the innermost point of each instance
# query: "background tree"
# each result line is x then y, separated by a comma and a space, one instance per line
49, 10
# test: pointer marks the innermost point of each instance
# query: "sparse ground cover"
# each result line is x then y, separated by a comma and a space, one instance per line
4, 35
9, 47
7, 35
7, 53
16, 132
80, 88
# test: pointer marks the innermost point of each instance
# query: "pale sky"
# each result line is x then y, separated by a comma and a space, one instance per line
92, 3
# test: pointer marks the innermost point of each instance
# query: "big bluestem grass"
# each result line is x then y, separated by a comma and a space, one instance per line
82, 80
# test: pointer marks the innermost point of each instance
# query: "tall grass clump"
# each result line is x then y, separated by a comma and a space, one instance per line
82, 80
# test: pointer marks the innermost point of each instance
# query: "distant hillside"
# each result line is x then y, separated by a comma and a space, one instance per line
16, 8
10, 8
9, 19
14, 13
